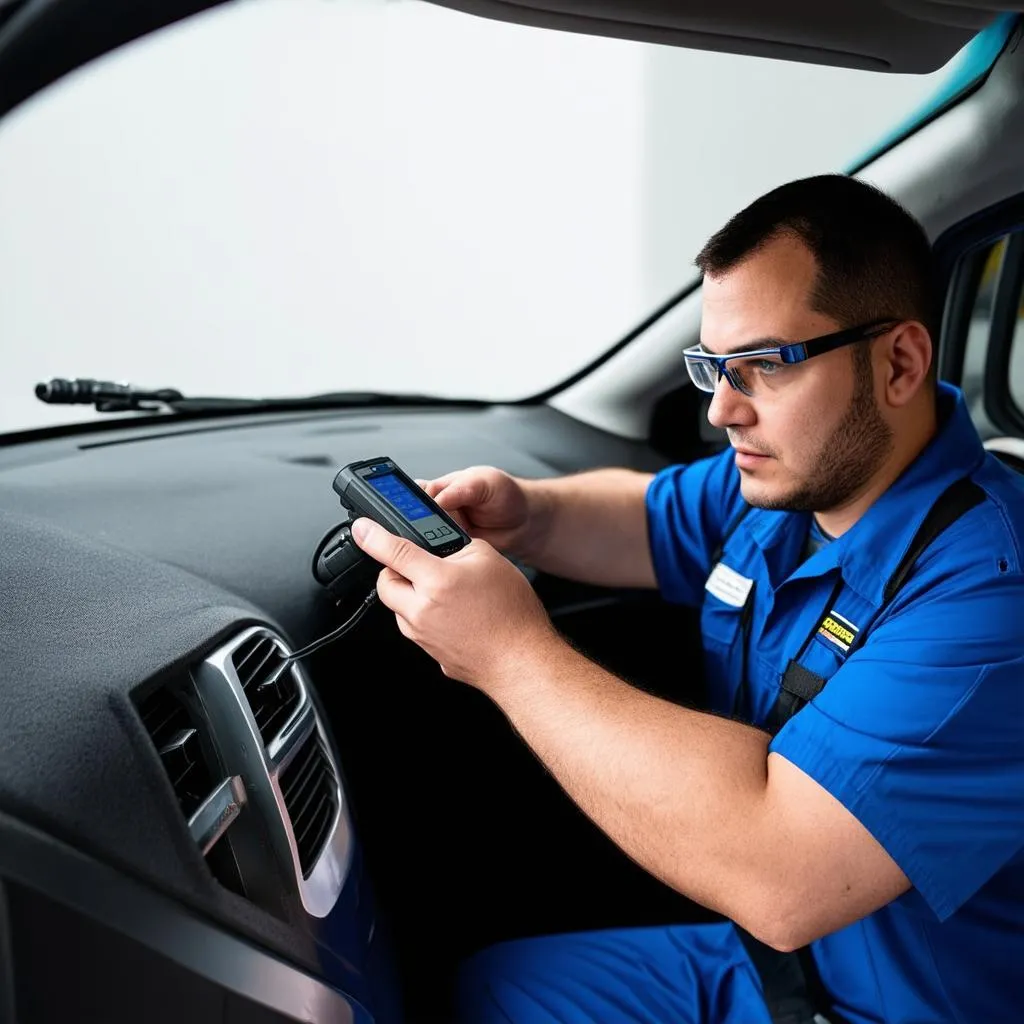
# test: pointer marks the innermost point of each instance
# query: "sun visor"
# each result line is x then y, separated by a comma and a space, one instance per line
905, 36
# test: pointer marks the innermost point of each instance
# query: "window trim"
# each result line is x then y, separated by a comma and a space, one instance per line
960, 254
1000, 406
962, 294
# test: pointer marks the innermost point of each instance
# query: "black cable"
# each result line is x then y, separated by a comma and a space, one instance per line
335, 634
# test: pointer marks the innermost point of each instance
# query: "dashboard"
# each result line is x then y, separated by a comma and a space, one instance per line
200, 830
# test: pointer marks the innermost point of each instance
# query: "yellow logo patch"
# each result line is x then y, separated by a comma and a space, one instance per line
837, 630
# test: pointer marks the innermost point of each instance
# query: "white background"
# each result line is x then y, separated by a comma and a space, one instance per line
291, 196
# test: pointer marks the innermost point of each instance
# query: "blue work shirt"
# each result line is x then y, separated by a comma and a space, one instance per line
919, 732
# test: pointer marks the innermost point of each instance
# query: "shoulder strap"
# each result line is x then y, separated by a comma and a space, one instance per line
792, 988
951, 504
799, 685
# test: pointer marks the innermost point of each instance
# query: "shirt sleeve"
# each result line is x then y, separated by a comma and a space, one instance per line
920, 735
688, 508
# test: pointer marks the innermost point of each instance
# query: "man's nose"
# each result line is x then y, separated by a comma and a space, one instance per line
729, 407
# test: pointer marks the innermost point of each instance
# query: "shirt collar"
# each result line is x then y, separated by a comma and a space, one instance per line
870, 550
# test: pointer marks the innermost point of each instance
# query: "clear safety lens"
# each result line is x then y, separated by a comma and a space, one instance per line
756, 375
751, 374
703, 372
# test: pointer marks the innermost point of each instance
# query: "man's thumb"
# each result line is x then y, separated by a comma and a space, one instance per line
367, 534
384, 546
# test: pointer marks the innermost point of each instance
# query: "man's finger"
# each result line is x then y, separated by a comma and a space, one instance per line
461, 494
405, 557
453, 502
432, 487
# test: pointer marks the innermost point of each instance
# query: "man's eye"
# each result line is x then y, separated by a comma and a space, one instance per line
767, 366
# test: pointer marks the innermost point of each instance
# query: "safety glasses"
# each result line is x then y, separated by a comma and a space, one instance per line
766, 369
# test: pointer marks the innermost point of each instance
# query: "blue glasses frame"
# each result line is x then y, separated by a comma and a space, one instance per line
797, 352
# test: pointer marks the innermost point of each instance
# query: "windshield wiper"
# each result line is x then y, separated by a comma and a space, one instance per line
108, 396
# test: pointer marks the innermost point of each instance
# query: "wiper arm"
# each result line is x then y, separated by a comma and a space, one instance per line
108, 396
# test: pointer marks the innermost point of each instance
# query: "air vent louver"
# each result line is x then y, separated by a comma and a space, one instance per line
168, 723
271, 692
310, 791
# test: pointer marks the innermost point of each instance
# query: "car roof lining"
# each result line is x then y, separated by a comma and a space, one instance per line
906, 36
42, 40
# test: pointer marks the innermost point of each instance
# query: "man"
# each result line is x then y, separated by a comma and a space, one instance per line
874, 808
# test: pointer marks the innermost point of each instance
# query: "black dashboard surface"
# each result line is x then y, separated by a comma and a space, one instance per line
127, 554
242, 504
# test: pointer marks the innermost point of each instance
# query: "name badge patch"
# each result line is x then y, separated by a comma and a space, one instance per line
728, 585
838, 631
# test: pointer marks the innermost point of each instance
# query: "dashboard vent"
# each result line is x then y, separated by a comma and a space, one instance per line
169, 725
270, 691
263, 725
309, 788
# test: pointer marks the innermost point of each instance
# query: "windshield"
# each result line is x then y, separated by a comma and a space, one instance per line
281, 197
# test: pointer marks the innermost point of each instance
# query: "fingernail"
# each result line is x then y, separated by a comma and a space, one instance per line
360, 528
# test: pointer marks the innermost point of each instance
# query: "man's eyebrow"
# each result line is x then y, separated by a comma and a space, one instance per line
749, 346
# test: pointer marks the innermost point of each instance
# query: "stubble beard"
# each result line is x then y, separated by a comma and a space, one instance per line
848, 458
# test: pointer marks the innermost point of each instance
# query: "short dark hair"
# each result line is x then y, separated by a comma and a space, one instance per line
874, 259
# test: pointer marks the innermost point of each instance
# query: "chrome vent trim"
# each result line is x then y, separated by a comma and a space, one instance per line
230, 684
216, 813
273, 693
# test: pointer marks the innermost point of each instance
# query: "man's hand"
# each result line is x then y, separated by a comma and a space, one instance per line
473, 612
590, 527
490, 505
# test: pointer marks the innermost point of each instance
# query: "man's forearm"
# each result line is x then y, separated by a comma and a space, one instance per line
591, 527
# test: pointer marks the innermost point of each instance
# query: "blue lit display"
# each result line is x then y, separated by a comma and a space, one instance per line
390, 487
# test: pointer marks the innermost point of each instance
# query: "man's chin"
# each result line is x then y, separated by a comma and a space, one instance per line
762, 494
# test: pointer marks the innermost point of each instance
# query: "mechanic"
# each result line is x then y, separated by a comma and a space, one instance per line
857, 784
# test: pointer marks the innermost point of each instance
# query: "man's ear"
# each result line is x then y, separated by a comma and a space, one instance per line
908, 357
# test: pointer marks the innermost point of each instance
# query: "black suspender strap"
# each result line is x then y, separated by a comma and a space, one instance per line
799, 685
793, 990
954, 501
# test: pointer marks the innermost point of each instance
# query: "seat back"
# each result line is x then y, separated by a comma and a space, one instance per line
1009, 450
